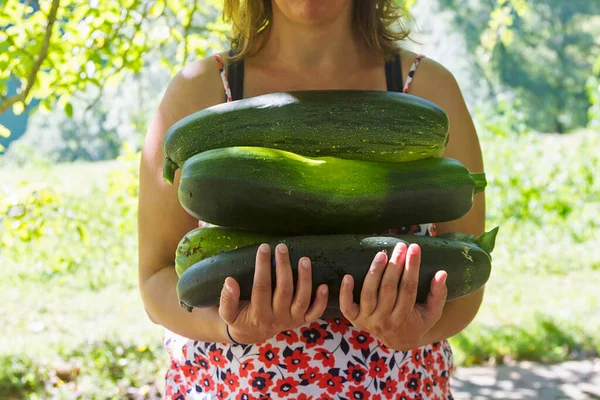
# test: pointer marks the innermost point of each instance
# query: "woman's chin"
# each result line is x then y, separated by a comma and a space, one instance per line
313, 12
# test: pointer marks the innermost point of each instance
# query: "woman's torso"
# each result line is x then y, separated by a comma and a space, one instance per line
325, 359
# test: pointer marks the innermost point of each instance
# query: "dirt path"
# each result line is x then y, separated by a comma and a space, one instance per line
571, 380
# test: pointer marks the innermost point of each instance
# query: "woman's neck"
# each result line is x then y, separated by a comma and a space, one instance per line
298, 47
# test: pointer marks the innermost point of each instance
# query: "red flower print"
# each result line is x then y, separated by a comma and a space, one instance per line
290, 337
436, 346
221, 393
261, 381
216, 358
245, 367
244, 394
428, 361
231, 380
207, 382
324, 397
327, 357
356, 373
440, 362
417, 358
383, 347
361, 340
189, 370
402, 372
376, 397
390, 388
285, 387
303, 397
311, 375
268, 355
427, 386
403, 396
378, 368
413, 382
339, 325
441, 381
296, 360
331, 382
201, 362
357, 392
432, 230
313, 335
176, 378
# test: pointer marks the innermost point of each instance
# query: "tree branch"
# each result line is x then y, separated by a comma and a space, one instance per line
22, 96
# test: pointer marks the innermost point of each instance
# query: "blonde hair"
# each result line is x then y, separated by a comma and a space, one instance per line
372, 19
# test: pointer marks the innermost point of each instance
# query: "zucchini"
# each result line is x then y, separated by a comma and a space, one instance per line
278, 192
467, 262
207, 241
352, 124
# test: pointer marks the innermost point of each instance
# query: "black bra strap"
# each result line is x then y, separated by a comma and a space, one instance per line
235, 75
393, 74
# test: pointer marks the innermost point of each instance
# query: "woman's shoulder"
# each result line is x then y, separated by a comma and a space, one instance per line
195, 86
428, 77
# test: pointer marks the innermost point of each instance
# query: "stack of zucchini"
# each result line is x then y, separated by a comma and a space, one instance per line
323, 172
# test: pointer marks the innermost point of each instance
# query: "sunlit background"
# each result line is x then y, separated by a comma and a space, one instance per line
80, 80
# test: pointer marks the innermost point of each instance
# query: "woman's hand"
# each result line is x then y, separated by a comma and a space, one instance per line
390, 312
271, 312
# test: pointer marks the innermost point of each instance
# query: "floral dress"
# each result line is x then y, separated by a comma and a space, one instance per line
325, 359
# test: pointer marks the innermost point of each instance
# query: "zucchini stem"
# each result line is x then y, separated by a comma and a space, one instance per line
487, 241
169, 168
479, 181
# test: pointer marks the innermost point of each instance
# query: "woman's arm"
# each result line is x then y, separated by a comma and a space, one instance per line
162, 222
433, 82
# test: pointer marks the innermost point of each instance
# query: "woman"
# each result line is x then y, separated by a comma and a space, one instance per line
276, 345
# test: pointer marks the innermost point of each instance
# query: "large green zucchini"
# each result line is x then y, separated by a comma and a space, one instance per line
352, 124
278, 192
466, 259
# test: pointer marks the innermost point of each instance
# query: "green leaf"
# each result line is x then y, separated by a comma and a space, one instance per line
4, 131
69, 110
18, 108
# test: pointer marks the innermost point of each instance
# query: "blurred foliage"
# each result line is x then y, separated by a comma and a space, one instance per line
58, 234
542, 52
61, 47
108, 369
119, 117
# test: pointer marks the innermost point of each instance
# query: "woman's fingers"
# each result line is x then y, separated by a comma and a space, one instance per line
388, 289
348, 307
284, 289
370, 289
262, 288
434, 305
319, 305
229, 300
409, 283
303, 293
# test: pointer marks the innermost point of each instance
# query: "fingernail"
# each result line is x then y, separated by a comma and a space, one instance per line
380, 257
282, 248
264, 248
227, 287
305, 263
444, 277
346, 280
324, 290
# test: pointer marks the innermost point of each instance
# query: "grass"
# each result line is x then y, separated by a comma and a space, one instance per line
74, 326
